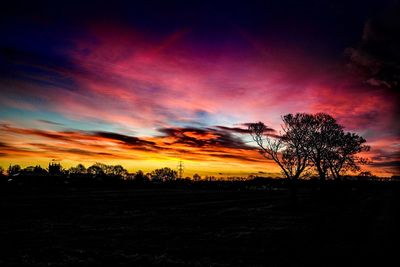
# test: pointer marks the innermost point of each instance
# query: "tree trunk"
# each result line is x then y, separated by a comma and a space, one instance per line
321, 173
293, 193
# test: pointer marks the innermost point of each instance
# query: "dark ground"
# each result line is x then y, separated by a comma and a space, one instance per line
180, 227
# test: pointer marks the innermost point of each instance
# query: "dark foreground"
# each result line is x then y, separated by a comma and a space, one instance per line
187, 227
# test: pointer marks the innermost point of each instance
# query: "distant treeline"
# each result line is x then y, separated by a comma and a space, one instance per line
103, 174
96, 173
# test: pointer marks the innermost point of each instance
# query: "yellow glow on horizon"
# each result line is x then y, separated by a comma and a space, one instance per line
203, 168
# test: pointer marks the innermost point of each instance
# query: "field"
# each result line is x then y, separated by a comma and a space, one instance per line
197, 227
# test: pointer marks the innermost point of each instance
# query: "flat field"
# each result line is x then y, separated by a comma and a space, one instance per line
198, 227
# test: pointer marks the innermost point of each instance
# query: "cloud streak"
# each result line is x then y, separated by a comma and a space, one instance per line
208, 145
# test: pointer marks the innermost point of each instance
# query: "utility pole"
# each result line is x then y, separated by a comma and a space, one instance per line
180, 169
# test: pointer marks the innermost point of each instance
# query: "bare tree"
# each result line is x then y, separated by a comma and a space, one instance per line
310, 140
288, 149
343, 157
324, 133
332, 149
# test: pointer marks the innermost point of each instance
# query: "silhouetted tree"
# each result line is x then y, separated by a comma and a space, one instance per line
3, 177
210, 178
38, 170
323, 138
342, 157
29, 170
310, 140
79, 169
332, 149
117, 170
163, 175
288, 150
140, 177
14, 169
196, 177
96, 169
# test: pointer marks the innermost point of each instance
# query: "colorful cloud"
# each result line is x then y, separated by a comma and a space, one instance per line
120, 95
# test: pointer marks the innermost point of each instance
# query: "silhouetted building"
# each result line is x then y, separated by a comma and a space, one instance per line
54, 168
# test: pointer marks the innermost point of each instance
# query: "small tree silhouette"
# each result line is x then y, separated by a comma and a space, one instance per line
117, 170
14, 169
196, 177
140, 177
96, 169
79, 169
163, 175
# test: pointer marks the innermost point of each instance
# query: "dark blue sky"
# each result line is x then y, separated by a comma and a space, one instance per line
325, 27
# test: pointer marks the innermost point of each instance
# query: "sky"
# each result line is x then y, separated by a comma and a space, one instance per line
147, 84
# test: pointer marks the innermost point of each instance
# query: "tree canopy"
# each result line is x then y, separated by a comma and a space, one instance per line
310, 141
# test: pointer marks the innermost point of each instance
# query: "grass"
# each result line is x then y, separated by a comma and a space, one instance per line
189, 227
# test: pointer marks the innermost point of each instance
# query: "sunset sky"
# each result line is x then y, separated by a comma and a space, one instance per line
148, 84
